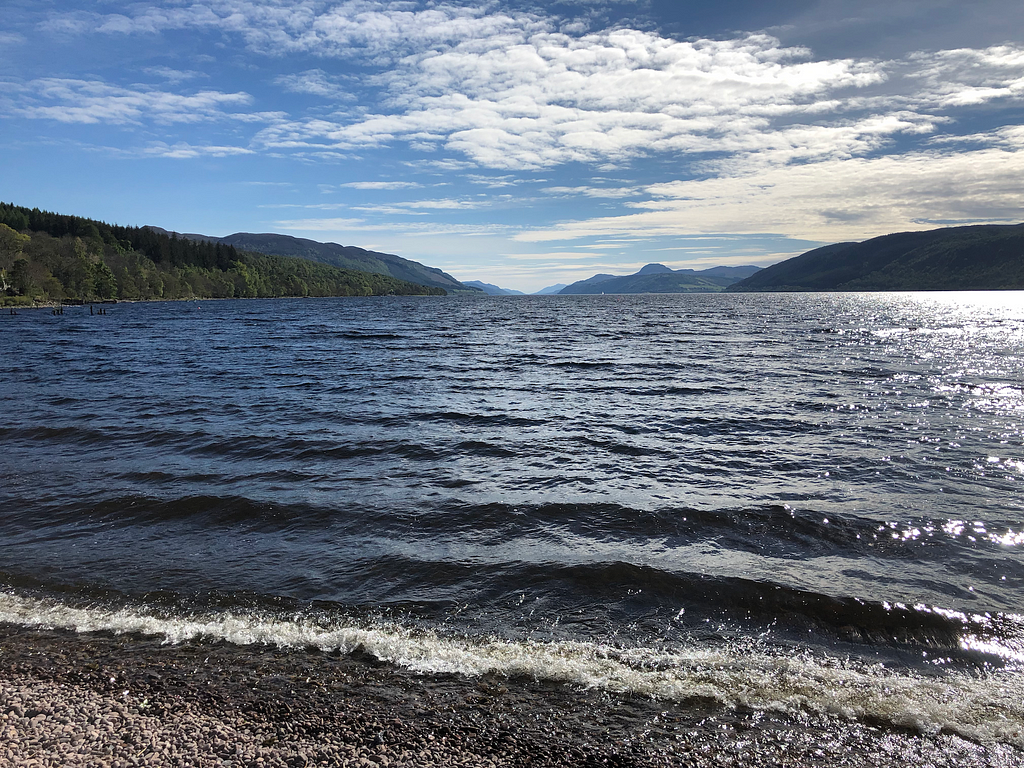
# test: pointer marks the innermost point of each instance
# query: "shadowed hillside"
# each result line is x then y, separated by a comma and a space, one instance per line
984, 257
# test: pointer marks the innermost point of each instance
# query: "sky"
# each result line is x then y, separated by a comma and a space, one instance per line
520, 143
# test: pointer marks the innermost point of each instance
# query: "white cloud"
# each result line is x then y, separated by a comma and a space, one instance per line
387, 210
829, 200
182, 150
969, 77
321, 225
495, 182
315, 82
382, 185
540, 98
512, 90
611, 193
173, 75
93, 101
423, 207
445, 204
423, 228
552, 255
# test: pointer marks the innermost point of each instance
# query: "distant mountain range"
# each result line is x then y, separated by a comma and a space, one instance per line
494, 290
984, 257
657, 278
556, 288
343, 256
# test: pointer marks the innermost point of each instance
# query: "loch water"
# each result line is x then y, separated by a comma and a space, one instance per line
806, 502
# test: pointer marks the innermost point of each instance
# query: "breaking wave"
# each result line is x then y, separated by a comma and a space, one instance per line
986, 707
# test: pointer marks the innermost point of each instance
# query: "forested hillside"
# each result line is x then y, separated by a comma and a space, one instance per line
50, 257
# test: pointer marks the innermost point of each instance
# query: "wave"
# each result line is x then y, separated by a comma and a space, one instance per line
774, 530
984, 708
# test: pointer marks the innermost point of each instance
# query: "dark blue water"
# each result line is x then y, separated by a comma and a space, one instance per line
762, 496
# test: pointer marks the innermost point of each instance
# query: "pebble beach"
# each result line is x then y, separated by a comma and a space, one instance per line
106, 700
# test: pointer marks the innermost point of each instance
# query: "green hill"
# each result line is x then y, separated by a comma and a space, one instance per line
985, 257
50, 257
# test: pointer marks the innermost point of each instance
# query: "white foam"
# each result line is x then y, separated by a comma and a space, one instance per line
983, 708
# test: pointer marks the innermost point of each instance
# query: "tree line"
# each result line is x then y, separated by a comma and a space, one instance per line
51, 257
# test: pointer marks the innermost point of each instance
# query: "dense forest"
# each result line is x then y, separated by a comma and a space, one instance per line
50, 257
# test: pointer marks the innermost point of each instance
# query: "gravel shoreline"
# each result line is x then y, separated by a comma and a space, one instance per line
91, 700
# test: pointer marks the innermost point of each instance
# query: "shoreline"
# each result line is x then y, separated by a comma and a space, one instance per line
195, 299
103, 699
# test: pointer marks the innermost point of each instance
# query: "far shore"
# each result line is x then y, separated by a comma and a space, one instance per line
114, 302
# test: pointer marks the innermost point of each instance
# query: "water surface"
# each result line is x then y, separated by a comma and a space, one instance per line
763, 496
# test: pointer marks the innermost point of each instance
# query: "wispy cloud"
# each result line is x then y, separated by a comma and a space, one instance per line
69, 100
611, 193
827, 200
386, 185
315, 82
551, 255
405, 228
182, 150
174, 75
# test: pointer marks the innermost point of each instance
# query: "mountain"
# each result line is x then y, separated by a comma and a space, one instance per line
657, 278
550, 290
342, 256
981, 257
492, 290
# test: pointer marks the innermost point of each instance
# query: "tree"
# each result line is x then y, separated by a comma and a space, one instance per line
21, 280
103, 283
11, 245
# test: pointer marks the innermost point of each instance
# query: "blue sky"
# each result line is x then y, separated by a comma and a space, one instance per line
520, 143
